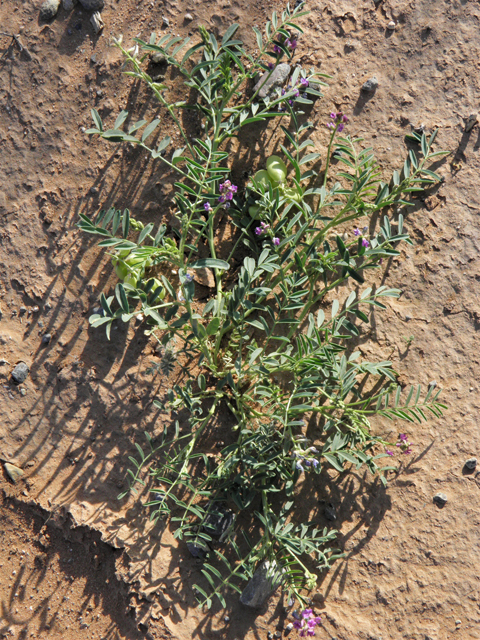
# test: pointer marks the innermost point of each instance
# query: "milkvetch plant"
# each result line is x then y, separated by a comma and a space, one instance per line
269, 345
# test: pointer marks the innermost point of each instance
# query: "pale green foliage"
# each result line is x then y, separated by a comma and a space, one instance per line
266, 346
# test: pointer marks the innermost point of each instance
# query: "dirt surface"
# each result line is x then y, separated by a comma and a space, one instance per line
411, 569
58, 581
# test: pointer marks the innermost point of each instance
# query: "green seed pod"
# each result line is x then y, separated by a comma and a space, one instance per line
121, 270
262, 178
293, 194
276, 169
131, 279
156, 284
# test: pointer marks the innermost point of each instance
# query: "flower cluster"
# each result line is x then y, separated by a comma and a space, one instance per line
357, 232
263, 228
290, 42
403, 444
339, 121
307, 623
208, 207
306, 460
303, 84
227, 189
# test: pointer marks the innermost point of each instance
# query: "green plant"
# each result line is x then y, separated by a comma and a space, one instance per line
264, 347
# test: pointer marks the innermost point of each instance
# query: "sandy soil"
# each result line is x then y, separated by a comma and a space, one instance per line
411, 569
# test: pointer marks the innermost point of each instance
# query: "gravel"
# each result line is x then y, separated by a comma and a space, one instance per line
471, 463
49, 9
370, 85
440, 499
20, 373
276, 80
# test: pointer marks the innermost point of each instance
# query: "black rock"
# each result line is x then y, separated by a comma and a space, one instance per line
330, 513
218, 521
46, 338
92, 5
471, 463
440, 499
20, 373
370, 85
197, 549
261, 585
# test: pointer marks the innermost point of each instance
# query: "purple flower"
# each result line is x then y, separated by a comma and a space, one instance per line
408, 450
330, 125
299, 466
304, 82
207, 206
356, 231
277, 50
180, 297
365, 242
262, 228
227, 189
315, 463
296, 93
188, 277
271, 65
340, 128
292, 43
333, 115
306, 624
276, 241
345, 119
403, 437
388, 452
283, 92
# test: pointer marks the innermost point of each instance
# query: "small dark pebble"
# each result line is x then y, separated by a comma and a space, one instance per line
277, 634
471, 463
226, 619
440, 499
23, 310
330, 513
197, 551
432, 383
370, 85
20, 373
46, 338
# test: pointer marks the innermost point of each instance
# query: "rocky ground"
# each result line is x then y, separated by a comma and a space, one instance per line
411, 568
